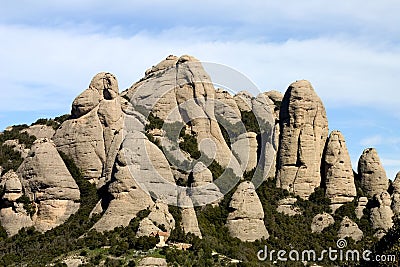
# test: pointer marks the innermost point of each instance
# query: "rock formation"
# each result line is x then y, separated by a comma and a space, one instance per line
13, 216
275, 102
243, 101
179, 89
320, 222
373, 176
153, 262
348, 228
226, 107
189, 221
203, 191
48, 183
396, 195
246, 221
128, 197
245, 150
339, 183
287, 207
362, 204
161, 217
304, 130
381, 216
40, 131
12, 187
93, 137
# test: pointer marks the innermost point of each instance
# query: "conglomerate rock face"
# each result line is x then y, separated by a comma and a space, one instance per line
92, 138
304, 130
246, 221
108, 136
396, 195
48, 187
373, 176
340, 186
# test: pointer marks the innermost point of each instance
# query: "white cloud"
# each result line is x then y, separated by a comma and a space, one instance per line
343, 72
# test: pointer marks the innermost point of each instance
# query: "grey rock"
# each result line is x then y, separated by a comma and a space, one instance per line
348, 228
287, 206
381, 216
373, 176
362, 204
246, 221
304, 131
340, 186
321, 221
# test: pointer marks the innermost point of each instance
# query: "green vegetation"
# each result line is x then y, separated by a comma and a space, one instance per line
15, 134
154, 122
27, 204
9, 158
55, 123
250, 122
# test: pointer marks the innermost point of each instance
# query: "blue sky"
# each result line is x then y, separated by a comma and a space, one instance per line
349, 51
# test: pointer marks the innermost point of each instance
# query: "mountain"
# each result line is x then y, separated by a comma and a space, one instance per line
174, 158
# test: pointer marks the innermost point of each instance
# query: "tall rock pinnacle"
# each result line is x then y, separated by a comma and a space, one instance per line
304, 130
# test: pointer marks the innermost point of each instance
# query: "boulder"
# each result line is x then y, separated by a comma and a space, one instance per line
304, 130
147, 228
12, 220
321, 221
348, 228
160, 215
373, 176
12, 186
246, 220
339, 177
381, 216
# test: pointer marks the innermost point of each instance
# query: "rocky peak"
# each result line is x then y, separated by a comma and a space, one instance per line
373, 176
92, 138
340, 186
304, 130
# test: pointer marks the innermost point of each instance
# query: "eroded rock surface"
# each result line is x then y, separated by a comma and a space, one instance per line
48, 183
340, 186
373, 176
92, 138
348, 228
321, 221
304, 130
381, 216
246, 221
